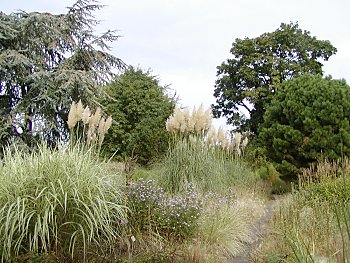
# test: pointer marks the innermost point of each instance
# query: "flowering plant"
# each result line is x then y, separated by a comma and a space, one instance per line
151, 207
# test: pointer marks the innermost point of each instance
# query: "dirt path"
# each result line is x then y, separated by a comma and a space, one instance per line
263, 227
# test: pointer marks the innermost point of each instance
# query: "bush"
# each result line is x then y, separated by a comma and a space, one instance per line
140, 106
308, 119
57, 202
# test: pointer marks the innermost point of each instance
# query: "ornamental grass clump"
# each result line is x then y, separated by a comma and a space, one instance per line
183, 124
57, 202
224, 229
198, 154
314, 224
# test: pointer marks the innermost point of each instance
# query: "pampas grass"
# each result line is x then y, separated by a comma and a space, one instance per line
94, 125
198, 123
182, 121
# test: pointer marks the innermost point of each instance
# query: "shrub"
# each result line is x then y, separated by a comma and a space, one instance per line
179, 214
143, 199
57, 202
308, 119
141, 106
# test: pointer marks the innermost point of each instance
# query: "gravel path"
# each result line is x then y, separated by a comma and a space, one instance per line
263, 227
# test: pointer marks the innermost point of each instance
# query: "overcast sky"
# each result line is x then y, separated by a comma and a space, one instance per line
183, 41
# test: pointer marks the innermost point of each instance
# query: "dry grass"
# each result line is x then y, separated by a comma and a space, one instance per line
313, 225
226, 228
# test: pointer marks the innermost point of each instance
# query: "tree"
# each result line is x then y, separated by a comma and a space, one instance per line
250, 79
307, 119
140, 106
46, 62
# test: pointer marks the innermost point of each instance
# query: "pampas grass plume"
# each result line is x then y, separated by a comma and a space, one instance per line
86, 115
95, 119
211, 136
101, 125
237, 139
72, 116
208, 119
198, 119
244, 143
178, 118
221, 136
79, 111
170, 127
108, 123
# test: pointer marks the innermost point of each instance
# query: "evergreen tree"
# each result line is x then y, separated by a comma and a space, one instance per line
308, 119
46, 62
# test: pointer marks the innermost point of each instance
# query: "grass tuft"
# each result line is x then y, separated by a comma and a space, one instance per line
56, 202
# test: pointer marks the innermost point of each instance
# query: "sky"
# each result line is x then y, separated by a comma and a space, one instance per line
183, 41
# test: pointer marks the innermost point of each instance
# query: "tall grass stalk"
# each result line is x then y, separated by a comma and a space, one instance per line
191, 161
56, 202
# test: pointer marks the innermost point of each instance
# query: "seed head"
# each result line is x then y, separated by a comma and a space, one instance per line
96, 117
208, 119
238, 138
72, 120
244, 143
211, 137
101, 125
221, 136
79, 110
108, 124
86, 115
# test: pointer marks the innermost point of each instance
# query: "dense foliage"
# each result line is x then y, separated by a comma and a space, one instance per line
249, 79
307, 119
140, 106
59, 202
46, 62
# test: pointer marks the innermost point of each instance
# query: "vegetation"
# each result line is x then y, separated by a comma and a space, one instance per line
308, 119
140, 106
60, 202
207, 194
199, 154
313, 224
259, 65
47, 61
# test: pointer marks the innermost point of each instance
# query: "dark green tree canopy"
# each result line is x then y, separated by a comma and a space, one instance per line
46, 62
140, 107
249, 80
307, 119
